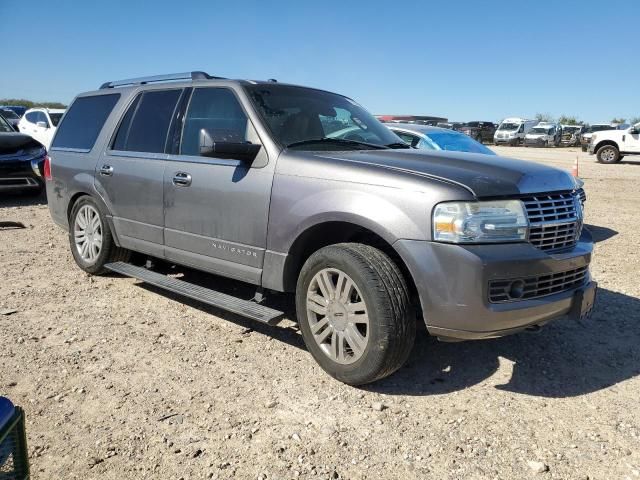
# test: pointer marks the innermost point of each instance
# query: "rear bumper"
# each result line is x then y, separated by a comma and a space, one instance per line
19, 183
453, 285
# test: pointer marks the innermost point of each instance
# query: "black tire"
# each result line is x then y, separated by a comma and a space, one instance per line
109, 251
392, 324
608, 154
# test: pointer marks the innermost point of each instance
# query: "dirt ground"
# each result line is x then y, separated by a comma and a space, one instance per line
122, 381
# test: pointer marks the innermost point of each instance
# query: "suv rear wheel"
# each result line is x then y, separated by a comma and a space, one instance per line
608, 154
354, 312
90, 238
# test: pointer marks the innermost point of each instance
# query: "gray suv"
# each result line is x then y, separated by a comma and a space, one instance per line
294, 189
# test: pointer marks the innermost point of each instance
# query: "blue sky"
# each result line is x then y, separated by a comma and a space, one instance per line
465, 60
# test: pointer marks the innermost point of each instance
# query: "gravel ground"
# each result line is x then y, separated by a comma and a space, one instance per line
120, 380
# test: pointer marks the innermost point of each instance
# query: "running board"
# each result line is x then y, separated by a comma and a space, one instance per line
220, 300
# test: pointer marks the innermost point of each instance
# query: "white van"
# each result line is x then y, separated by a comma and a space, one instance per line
544, 134
513, 130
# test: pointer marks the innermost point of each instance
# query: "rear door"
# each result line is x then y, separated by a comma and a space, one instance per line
130, 173
28, 124
216, 209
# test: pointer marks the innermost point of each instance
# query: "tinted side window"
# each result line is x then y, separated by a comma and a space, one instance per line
150, 124
32, 117
123, 132
218, 111
42, 117
84, 121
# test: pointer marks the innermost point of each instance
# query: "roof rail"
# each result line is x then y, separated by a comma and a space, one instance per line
197, 75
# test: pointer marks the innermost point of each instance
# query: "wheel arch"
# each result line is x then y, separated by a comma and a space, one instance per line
103, 208
331, 232
602, 143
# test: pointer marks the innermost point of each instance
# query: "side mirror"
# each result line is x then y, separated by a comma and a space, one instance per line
226, 147
634, 131
42, 124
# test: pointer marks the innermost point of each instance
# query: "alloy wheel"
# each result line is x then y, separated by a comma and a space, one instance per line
337, 316
87, 233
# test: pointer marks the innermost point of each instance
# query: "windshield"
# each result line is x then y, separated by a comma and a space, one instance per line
302, 116
4, 125
9, 114
55, 118
599, 128
539, 130
458, 142
509, 126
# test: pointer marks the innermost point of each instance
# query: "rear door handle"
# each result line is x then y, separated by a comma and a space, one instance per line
182, 179
106, 170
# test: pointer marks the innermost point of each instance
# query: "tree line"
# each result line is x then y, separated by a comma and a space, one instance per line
30, 104
572, 120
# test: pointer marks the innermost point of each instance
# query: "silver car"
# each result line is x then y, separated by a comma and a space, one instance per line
299, 190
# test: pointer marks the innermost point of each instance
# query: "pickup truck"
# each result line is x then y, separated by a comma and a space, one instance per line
302, 192
610, 146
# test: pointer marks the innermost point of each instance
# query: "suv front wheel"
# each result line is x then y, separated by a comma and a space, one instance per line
608, 154
90, 238
354, 312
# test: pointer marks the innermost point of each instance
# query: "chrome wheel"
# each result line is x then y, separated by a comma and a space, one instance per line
87, 233
337, 316
608, 155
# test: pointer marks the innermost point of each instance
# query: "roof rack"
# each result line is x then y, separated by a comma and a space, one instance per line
197, 75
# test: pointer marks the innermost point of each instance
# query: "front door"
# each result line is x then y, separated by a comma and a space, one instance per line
216, 209
631, 142
130, 174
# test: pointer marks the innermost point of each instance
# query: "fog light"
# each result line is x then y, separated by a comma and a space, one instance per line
516, 289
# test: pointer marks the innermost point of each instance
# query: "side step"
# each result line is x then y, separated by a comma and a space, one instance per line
220, 300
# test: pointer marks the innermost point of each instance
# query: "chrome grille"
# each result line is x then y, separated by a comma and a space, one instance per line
555, 220
535, 287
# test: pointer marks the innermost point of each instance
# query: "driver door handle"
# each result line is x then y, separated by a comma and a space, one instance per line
182, 179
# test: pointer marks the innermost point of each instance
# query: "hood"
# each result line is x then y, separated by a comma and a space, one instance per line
17, 145
482, 175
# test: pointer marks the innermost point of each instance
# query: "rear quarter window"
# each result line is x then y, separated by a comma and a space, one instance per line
83, 122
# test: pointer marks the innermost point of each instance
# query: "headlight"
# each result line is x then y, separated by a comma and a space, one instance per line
480, 222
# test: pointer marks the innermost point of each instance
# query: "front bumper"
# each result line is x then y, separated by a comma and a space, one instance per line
591, 148
453, 285
505, 141
534, 142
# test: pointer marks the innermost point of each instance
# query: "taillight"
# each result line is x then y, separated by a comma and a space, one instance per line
47, 168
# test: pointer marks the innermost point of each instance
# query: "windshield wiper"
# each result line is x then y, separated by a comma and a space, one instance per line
398, 145
339, 141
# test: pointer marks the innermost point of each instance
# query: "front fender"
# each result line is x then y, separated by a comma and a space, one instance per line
298, 204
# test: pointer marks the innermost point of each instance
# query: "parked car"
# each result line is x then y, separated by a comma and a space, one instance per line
544, 134
11, 117
434, 138
571, 135
610, 146
585, 138
17, 109
513, 130
21, 161
41, 123
239, 179
479, 131
449, 125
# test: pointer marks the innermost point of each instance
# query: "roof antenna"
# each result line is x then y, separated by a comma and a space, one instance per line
272, 80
